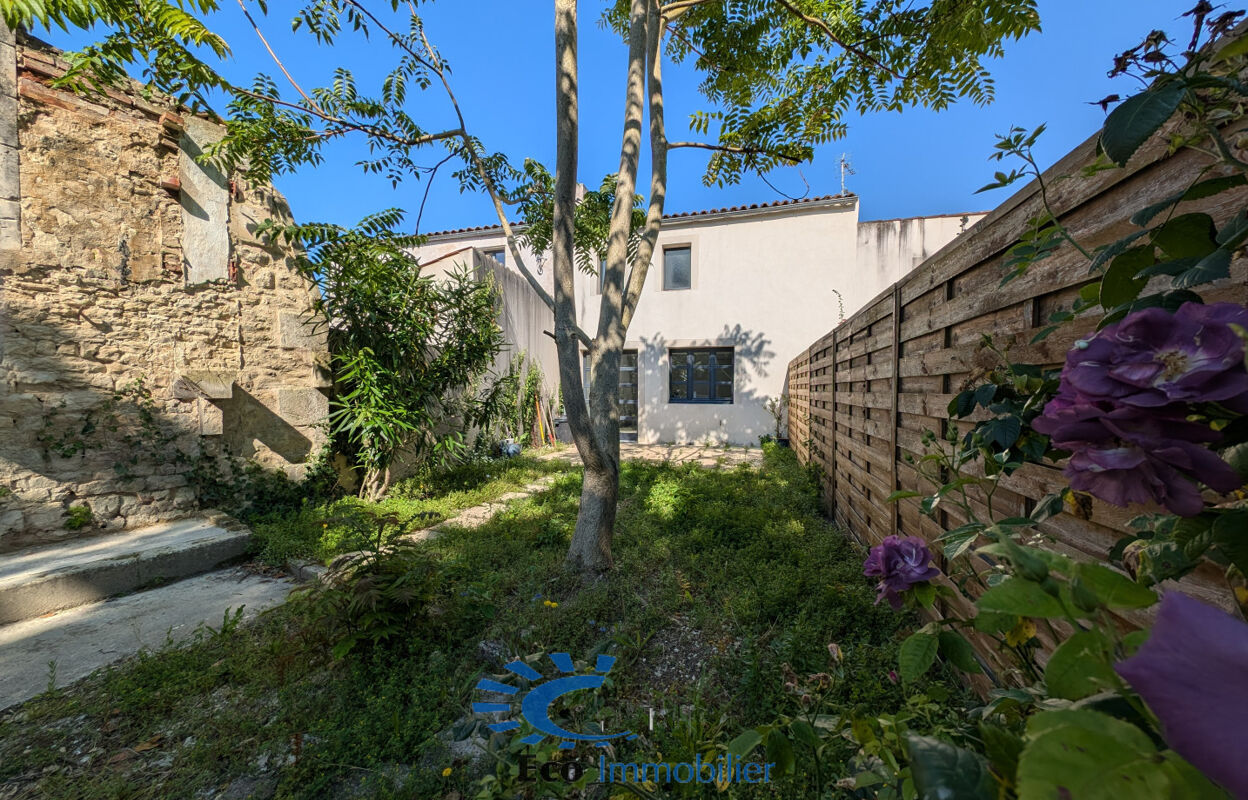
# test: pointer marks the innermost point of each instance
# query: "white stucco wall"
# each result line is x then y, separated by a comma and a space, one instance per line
888, 249
523, 316
765, 282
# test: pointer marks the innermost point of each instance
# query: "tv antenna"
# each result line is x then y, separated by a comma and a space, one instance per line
846, 169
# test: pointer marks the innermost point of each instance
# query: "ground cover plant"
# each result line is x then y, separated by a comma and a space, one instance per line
328, 526
736, 602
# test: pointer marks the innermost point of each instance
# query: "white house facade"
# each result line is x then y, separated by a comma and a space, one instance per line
732, 295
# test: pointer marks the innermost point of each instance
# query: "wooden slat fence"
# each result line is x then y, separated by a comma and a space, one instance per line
861, 396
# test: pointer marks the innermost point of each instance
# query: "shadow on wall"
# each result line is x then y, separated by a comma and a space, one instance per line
246, 421
76, 429
740, 422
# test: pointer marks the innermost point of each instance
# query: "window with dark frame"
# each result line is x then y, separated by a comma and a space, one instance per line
499, 255
602, 273
677, 268
700, 375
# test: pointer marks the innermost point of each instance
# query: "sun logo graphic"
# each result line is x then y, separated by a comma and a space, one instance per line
535, 702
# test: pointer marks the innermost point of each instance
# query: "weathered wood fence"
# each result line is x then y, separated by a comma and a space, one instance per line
861, 396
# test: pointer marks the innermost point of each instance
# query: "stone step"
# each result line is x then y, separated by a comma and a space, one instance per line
80, 640
42, 580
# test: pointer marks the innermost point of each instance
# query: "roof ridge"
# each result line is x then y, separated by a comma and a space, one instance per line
680, 214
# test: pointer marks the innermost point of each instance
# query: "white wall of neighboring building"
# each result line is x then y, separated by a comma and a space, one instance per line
765, 281
889, 248
523, 316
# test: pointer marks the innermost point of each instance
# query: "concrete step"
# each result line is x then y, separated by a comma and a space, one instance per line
81, 640
46, 579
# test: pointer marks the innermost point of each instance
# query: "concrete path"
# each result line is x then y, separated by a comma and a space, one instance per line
81, 640
40, 580
479, 515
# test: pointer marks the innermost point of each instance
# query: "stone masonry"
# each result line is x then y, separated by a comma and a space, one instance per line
124, 259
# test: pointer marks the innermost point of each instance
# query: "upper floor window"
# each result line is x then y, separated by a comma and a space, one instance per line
677, 268
700, 375
498, 254
602, 273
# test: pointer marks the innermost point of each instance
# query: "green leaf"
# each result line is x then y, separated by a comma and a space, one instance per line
925, 594
942, 771
993, 622
1119, 284
1215, 266
958, 651
1110, 251
917, 654
1237, 47
1021, 598
1114, 589
1002, 747
1197, 191
805, 733
1187, 236
985, 393
960, 539
902, 494
1230, 533
1049, 506
1234, 232
1130, 124
1079, 667
1091, 756
1004, 431
1237, 457
780, 752
745, 743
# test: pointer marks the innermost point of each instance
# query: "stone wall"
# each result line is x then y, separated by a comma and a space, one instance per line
123, 259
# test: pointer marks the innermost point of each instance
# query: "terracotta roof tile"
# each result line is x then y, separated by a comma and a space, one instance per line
681, 215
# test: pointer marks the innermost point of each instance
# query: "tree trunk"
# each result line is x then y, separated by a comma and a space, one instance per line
590, 553
596, 425
375, 484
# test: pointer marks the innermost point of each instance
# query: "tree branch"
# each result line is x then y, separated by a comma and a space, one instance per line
727, 148
347, 125
278, 61
513, 246
430, 60
658, 169
611, 314
673, 10
827, 30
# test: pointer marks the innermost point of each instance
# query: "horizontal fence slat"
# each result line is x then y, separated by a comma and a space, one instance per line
862, 395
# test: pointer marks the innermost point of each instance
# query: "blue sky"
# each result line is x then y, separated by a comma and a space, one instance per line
912, 163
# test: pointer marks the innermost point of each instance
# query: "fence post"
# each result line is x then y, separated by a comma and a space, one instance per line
832, 460
895, 419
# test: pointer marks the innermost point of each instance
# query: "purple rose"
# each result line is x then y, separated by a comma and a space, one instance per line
1153, 358
1125, 397
1193, 673
900, 564
1127, 455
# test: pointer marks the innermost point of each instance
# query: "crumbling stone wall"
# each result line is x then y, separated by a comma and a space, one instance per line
122, 258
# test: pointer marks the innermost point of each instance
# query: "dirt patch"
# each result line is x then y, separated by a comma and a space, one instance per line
678, 655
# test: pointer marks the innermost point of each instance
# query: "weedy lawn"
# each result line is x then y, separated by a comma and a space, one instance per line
727, 590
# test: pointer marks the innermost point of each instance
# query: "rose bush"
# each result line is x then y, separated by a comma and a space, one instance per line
900, 563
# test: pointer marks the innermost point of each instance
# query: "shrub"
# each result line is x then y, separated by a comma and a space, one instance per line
373, 595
